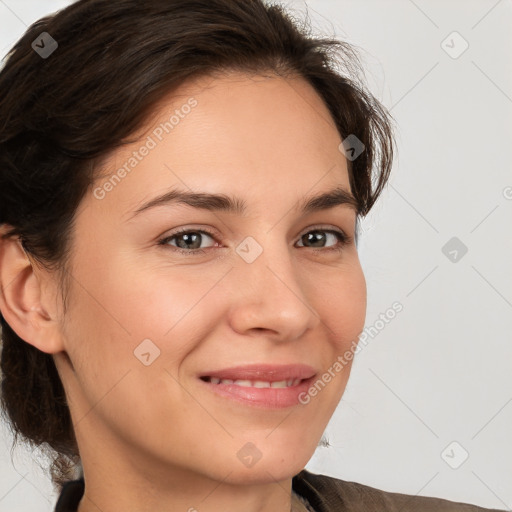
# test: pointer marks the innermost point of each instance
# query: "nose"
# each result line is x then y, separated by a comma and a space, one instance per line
271, 298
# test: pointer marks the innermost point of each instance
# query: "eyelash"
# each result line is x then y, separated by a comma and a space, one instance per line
343, 240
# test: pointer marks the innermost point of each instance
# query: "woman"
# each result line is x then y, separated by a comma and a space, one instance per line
165, 166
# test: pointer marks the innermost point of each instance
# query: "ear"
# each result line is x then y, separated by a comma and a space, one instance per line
27, 297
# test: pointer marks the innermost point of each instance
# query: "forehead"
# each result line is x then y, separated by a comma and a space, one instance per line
248, 135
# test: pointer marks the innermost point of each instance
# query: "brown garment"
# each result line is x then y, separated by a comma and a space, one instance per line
328, 494
322, 493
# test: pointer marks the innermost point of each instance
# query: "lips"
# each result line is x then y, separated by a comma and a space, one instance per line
261, 372
262, 386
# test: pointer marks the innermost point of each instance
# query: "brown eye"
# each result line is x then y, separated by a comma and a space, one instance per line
187, 241
319, 237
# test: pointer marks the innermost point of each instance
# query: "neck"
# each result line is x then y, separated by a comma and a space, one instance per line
119, 480
199, 495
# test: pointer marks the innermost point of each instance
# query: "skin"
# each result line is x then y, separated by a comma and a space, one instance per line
151, 437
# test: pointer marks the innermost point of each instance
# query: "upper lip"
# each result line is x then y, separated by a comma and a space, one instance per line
263, 372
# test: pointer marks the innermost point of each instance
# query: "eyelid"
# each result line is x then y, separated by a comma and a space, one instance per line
179, 231
344, 239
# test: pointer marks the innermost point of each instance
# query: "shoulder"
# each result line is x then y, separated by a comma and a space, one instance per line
328, 494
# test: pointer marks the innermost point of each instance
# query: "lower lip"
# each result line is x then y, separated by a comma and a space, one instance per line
267, 398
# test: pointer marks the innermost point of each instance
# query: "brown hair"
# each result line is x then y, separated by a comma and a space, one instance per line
60, 115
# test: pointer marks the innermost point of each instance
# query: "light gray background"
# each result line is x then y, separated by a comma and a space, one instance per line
440, 371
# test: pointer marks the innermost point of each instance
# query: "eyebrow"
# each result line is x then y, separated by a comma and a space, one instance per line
229, 204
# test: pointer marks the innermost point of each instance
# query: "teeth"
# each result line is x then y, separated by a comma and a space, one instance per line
261, 384
256, 383
278, 384
244, 383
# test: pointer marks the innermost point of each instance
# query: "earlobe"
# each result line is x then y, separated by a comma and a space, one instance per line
21, 298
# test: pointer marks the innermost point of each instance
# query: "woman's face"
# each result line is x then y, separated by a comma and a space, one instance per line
272, 286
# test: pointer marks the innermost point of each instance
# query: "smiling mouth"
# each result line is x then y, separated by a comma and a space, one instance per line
252, 390
254, 383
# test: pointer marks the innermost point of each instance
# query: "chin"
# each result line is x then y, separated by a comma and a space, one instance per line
278, 465
262, 474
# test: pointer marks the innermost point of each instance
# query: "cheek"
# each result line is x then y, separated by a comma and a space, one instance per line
340, 301
111, 384
127, 301
170, 306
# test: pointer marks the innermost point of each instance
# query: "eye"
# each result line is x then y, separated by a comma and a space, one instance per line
188, 241
317, 236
